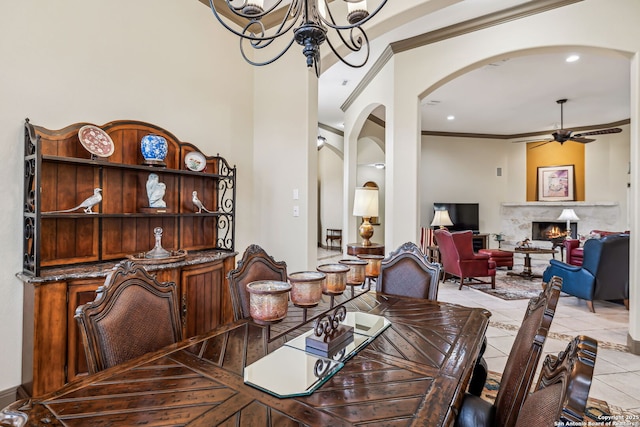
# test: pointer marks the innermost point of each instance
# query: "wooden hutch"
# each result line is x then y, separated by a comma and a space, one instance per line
67, 255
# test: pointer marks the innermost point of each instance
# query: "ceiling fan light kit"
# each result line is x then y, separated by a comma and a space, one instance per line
563, 135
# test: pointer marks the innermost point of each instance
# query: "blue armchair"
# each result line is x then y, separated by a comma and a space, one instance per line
604, 274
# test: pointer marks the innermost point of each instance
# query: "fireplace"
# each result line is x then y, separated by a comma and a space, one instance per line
552, 230
516, 218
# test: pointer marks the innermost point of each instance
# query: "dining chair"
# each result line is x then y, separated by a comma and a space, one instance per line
520, 368
132, 314
255, 264
407, 272
561, 395
459, 260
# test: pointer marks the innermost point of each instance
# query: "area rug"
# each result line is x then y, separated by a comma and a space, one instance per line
596, 411
511, 287
515, 287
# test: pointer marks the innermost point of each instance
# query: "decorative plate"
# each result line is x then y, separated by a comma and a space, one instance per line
195, 161
96, 141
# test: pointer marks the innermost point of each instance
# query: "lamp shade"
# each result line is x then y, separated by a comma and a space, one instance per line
365, 202
441, 218
568, 215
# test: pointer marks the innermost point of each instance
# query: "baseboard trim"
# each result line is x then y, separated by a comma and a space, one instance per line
8, 396
634, 346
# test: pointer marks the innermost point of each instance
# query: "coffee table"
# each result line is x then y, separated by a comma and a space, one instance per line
526, 271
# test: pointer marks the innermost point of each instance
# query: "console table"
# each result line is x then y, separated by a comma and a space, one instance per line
359, 249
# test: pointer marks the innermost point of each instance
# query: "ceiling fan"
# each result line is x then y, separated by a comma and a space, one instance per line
563, 135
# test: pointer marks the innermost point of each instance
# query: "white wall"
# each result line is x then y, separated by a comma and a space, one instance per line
286, 159
464, 170
150, 60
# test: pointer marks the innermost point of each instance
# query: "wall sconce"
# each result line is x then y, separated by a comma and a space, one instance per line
321, 141
365, 204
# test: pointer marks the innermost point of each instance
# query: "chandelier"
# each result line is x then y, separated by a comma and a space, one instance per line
310, 20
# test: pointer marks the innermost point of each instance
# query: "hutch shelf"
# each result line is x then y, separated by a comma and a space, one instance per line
67, 255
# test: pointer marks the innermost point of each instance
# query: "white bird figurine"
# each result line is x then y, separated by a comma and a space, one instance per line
198, 204
87, 204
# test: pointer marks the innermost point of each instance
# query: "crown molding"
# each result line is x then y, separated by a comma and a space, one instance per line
382, 60
490, 20
522, 135
331, 129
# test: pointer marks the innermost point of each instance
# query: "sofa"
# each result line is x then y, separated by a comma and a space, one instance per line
573, 250
603, 275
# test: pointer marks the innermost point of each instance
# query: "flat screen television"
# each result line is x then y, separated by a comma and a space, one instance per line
465, 216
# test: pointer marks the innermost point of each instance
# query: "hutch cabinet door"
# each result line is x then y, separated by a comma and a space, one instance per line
202, 293
80, 292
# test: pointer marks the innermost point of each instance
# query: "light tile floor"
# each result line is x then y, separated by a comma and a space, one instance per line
617, 373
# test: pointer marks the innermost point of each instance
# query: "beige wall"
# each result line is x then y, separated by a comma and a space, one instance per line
76, 60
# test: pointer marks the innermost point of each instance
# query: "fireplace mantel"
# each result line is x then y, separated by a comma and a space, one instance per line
516, 217
548, 204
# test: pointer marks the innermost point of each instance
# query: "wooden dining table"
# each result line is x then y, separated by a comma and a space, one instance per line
414, 373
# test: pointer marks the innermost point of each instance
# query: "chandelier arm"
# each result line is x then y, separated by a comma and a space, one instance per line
354, 43
283, 29
267, 62
354, 49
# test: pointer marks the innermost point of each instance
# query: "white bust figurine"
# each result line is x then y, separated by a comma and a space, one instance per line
155, 191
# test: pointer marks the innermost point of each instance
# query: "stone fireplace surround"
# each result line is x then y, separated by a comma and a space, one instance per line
516, 218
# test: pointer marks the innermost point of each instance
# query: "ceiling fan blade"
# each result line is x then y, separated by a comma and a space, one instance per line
599, 132
582, 140
539, 145
533, 140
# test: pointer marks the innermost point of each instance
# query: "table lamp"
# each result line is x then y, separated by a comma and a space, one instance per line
441, 218
568, 215
365, 204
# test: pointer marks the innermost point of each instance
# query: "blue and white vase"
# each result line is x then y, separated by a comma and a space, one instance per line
154, 149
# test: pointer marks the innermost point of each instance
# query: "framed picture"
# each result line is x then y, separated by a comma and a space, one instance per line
556, 183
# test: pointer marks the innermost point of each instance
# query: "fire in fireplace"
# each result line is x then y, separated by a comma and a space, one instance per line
552, 230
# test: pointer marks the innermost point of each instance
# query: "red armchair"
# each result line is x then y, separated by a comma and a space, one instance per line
459, 260
573, 251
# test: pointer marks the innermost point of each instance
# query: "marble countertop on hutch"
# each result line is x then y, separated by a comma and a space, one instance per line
102, 269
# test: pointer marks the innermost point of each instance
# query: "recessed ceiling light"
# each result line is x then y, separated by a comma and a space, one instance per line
378, 165
451, 117
572, 58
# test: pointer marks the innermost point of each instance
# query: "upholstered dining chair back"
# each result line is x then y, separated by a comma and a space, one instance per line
563, 388
132, 314
407, 272
519, 371
255, 264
